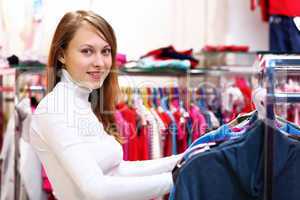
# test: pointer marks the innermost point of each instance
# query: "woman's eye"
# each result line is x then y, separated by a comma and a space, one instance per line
87, 51
106, 52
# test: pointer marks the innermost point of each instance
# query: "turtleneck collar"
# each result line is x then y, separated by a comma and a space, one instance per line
80, 90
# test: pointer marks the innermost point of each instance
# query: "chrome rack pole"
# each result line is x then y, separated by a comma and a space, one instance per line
272, 98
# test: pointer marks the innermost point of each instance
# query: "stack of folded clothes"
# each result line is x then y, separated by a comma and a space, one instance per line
167, 58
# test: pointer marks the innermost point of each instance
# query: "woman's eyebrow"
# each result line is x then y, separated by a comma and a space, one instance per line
84, 45
107, 46
93, 46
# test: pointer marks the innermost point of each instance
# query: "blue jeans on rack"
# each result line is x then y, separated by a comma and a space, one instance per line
284, 35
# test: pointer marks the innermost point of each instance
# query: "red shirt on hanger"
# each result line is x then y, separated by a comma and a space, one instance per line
130, 115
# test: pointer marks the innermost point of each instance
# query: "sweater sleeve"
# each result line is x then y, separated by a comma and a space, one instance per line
71, 152
148, 167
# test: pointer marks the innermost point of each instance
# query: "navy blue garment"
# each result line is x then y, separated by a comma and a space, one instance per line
234, 169
284, 35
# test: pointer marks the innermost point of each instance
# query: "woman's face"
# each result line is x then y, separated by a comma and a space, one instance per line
88, 57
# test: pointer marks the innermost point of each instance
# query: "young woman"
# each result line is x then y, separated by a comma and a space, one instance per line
71, 129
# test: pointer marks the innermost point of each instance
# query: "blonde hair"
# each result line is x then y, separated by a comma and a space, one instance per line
103, 99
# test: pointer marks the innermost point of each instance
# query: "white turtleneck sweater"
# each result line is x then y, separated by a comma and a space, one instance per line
81, 160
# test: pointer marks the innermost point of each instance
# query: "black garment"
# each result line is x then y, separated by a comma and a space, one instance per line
13, 60
234, 170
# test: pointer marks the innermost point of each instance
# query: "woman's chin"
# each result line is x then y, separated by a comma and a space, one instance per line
94, 86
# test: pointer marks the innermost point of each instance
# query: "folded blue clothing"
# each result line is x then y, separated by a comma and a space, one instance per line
150, 63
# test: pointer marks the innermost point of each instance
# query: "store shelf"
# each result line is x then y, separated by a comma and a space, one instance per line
213, 71
150, 72
30, 69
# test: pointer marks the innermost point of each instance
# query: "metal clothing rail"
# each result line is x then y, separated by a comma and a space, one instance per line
275, 67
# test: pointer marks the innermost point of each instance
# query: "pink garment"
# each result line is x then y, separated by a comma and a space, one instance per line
181, 127
46, 183
123, 128
297, 117
120, 59
199, 123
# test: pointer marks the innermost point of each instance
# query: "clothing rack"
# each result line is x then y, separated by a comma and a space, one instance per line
277, 66
16, 72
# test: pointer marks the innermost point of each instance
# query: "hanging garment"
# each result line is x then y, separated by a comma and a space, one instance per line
167, 147
284, 35
181, 138
236, 169
244, 87
225, 133
124, 130
155, 147
199, 123
7, 167
30, 165
144, 143
130, 115
173, 127
29, 170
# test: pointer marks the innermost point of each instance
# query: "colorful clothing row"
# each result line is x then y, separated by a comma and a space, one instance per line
157, 132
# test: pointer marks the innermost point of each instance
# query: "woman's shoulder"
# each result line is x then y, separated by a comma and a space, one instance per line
50, 110
51, 103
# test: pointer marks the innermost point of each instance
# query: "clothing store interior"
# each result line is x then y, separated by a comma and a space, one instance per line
217, 82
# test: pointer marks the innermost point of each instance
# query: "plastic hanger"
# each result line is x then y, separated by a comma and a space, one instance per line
259, 100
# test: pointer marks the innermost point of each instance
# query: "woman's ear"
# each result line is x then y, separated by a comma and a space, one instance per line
61, 57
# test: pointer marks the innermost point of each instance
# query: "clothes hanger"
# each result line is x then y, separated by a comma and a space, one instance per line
258, 97
159, 100
259, 100
129, 94
165, 98
241, 118
151, 97
193, 95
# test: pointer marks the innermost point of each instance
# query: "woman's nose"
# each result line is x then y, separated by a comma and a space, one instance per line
99, 61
